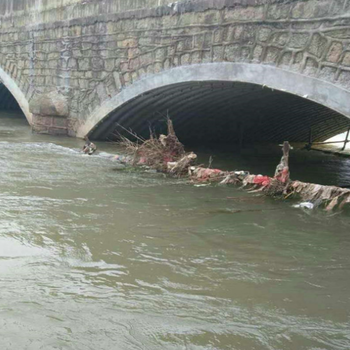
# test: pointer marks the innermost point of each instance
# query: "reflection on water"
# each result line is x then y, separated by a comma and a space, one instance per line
95, 257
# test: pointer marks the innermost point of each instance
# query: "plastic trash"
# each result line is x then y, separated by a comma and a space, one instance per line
306, 205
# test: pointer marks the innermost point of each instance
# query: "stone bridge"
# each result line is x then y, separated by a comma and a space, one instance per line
267, 69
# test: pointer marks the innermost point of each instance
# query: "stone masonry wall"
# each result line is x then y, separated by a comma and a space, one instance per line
90, 58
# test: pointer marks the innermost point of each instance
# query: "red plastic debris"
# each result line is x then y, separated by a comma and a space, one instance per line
283, 176
262, 180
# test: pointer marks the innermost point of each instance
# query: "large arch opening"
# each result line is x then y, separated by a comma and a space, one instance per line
226, 103
234, 104
219, 112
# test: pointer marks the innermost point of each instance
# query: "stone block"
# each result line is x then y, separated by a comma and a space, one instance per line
50, 104
245, 52
196, 57
338, 33
206, 56
311, 66
127, 79
161, 54
84, 64
344, 78
317, 45
257, 53
229, 34
218, 53
134, 64
124, 66
158, 67
145, 41
39, 80
298, 57
176, 61
97, 63
311, 9
167, 63
185, 45
185, 59
278, 11
218, 35
187, 19
337, 7
83, 84
272, 55
285, 59
86, 45
198, 41
72, 63
48, 81
146, 59
53, 55
101, 91
264, 34
104, 53
334, 52
279, 39
132, 42
110, 64
248, 34
60, 122
298, 40
346, 59
327, 73
133, 52
244, 13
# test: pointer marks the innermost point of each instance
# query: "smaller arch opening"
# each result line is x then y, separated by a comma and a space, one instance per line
9, 106
13, 121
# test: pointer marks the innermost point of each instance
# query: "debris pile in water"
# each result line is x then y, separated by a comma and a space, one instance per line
167, 154
331, 196
164, 153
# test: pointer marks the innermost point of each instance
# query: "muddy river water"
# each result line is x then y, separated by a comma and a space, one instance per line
96, 257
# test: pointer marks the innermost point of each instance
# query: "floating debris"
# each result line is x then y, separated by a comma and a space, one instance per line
167, 154
89, 147
164, 153
306, 205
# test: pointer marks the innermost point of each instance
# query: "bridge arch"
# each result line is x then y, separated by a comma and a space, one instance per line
312, 96
17, 94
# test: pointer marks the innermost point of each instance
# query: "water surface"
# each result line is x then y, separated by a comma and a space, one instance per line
95, 257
